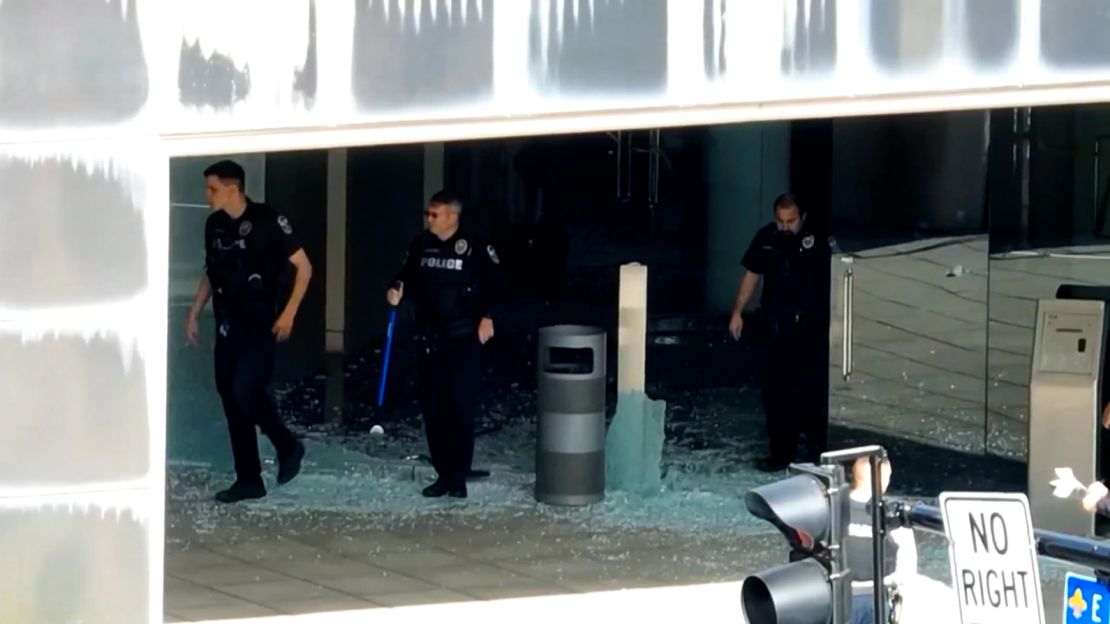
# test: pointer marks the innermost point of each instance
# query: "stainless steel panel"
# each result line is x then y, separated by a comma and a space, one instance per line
1064, 410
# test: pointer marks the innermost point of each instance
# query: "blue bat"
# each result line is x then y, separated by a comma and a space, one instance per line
388, 349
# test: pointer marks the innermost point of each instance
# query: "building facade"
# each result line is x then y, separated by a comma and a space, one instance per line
96, 97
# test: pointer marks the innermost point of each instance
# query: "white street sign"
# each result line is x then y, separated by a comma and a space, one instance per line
994, 558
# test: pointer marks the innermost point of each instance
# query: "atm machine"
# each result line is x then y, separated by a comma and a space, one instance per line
1065, 402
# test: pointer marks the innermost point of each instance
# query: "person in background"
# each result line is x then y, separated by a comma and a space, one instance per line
899, 546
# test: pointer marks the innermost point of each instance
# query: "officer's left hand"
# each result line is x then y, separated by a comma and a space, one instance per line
283, 327
485, 330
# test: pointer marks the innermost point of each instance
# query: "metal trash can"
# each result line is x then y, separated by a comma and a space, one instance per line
570, 445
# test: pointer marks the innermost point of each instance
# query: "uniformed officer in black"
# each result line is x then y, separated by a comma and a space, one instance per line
454, 281
792, 261
249, 248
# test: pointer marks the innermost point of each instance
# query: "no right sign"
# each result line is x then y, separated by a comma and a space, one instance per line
993, 557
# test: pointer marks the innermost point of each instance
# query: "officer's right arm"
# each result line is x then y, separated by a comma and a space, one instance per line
204, 290
204, 293
406, 274
753, 263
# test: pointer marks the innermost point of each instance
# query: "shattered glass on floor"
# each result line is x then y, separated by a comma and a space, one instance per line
352, 531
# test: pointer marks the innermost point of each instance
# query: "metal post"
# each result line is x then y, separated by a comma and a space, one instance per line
846, 346
877, 455
878, 533
839, 519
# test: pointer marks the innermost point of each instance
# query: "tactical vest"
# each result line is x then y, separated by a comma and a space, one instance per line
241, 266
447, 290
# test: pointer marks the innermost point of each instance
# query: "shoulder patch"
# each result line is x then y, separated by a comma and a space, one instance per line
283, 223
492, 254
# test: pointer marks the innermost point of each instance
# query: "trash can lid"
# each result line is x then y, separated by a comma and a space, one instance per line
554, 331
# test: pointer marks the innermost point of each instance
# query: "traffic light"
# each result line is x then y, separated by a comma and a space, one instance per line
811, 509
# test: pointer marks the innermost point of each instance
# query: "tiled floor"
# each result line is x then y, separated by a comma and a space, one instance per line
243, 571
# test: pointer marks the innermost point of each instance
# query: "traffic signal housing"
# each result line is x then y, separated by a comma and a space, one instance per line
811, 509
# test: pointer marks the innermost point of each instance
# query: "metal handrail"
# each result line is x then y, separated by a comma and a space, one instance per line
1084, 551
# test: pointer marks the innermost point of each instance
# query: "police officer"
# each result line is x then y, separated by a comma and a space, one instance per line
792, 261
455, 283
248, 250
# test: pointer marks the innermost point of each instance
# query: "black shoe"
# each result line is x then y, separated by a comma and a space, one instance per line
290, 465
770, 464
436, 490
476, 474
241, 490
440, 488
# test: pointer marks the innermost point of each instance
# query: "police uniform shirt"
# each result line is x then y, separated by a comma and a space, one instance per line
247, 262
793, 267
451, 280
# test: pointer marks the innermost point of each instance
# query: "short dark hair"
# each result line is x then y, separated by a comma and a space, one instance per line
446, 198
228, 171
787, 200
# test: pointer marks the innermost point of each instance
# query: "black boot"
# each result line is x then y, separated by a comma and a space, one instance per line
442, 488
289, 466
437, 489
458, 490
241, 490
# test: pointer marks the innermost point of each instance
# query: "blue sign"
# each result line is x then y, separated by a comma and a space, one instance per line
1086, 601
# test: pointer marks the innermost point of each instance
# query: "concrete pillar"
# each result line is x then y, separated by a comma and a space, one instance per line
336, 293
632, 330
748, 165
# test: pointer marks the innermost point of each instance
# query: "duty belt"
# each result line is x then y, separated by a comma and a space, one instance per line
454, 329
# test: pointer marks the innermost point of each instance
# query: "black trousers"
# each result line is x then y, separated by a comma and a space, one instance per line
793, 374
450, 374
244, 364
